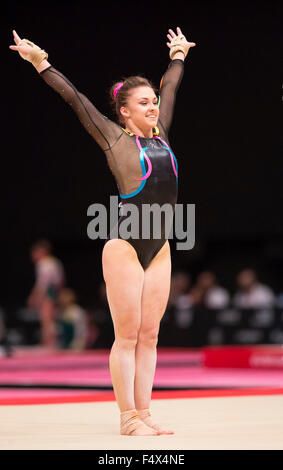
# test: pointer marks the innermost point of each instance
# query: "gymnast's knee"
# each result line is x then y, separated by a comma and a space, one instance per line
126, 340
148, 337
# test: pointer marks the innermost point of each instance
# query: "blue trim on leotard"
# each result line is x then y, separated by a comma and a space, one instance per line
141, 186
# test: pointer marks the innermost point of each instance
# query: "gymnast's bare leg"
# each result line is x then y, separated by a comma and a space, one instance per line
156, 287
124, 277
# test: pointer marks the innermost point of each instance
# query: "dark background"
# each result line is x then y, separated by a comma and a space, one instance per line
225, 134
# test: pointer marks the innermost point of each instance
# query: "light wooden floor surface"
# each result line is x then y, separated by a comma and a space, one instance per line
254, 422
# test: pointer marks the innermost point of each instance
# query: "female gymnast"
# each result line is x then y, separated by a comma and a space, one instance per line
137, 271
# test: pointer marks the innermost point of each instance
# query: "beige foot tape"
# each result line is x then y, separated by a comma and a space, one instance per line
131, 425
145, 416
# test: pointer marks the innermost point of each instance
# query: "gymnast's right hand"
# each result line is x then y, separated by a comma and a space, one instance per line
28, 50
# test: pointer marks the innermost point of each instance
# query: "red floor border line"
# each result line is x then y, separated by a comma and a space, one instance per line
156, 395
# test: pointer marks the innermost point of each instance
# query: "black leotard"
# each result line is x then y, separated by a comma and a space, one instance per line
126, 154
159, 188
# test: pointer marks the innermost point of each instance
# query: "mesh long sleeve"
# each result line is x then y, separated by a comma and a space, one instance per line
169, 85
103, 130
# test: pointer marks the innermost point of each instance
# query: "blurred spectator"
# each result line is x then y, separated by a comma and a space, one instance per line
179, 310
50, 279
101, 325
180, 284
2, 333
72, 321
251, 293
205, 291
5, 346
279, 300
2, 327
208, 292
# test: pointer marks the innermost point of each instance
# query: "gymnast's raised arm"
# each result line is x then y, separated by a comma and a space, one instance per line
103, 130
172, 78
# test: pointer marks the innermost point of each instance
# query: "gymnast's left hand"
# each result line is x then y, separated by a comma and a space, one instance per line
178, 42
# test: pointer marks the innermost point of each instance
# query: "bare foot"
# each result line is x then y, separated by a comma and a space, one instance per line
132, 425
145, 416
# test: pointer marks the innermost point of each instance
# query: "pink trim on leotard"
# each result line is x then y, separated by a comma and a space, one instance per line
147, 159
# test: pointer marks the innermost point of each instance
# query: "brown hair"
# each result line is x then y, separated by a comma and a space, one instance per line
123, 93
42, 244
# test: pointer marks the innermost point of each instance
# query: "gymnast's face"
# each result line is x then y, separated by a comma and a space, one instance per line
142, 108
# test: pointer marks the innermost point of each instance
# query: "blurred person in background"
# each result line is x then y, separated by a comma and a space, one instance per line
2, 327
72, 321
180, 284
205, 292
208, 292
102, 324
5, 349
177, 307
279, 300
251, 293
50, 279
